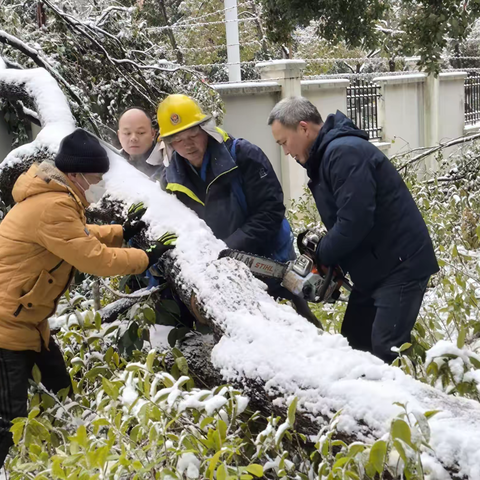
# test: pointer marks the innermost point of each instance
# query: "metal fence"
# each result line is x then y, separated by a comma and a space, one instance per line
472, 98
362, 105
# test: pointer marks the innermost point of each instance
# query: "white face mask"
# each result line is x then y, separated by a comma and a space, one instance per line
95, 192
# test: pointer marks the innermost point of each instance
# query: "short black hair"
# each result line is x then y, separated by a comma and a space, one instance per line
147, 114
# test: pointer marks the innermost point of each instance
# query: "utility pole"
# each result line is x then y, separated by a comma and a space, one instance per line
233, 47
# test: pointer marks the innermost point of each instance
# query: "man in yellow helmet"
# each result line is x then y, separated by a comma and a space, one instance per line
228, 182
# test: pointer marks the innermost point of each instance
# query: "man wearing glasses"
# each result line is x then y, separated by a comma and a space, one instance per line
229, 183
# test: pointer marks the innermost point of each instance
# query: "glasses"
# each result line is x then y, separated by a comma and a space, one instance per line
183, 137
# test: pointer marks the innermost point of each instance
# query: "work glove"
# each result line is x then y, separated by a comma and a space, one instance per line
132, 229
136, 211
160, 247
133, 225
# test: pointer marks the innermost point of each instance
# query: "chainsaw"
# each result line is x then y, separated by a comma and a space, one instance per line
301, 276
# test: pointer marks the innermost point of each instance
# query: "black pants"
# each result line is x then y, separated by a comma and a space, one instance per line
377, 321
15, 370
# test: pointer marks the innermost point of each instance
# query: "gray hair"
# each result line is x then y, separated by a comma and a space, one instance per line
293, 110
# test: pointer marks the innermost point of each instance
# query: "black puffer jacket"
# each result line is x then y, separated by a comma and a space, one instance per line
373, 223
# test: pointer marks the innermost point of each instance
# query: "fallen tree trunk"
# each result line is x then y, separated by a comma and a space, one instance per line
266, 349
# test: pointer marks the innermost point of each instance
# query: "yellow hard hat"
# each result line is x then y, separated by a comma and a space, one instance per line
178, 113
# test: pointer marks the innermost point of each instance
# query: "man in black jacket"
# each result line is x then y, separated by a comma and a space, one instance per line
375, 230
229, 183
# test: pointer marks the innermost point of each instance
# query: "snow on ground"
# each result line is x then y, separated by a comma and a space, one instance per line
267, 341
159, 336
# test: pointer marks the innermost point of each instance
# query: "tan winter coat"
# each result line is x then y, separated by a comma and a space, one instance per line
43, 239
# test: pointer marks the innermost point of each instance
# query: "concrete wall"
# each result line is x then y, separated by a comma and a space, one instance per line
327, 95
401, 111
247, 107
451, 105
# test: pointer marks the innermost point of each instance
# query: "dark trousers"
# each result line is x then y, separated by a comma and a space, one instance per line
377, 321
15, 370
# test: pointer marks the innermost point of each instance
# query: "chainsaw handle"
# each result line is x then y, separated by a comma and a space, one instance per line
326, 284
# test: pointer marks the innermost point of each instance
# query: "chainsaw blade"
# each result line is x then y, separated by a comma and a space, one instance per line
260, 267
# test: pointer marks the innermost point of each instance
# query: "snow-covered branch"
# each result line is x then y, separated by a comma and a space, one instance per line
430, 151
106, 13
40, 88
42, 62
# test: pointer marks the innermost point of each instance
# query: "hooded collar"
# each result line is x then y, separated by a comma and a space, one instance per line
43, 178
336, 125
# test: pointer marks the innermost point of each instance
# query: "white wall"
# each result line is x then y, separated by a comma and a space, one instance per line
452, 105
327, 95
401, 111
247, 107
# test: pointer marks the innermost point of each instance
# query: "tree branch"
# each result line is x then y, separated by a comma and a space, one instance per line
42, 62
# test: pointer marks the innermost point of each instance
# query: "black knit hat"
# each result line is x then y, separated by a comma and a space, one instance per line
81, 152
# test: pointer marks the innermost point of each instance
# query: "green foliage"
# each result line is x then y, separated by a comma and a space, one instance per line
403, 27
338, 21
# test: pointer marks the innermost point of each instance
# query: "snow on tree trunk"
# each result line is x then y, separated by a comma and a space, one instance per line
261, 346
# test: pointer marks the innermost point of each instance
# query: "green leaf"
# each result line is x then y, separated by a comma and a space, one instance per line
377, 455
431, 413
221, 472
149, 315
96, 372
182, 365
206, 421
352, 475
405, 346
81, 436
461, 337
222, 429
98, 321
422, 423
150, 359
214, 462
475, 362
34, 412
177, 334
401, 430
292, 409
110, 388
17, 431
36, 374
401, 451
340, 462
255, 469
355, 448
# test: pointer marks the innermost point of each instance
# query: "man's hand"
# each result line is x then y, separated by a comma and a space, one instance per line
130, 229
136, 211
160, 247
133, 225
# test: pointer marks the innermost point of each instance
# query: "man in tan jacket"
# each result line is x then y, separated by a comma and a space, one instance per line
43, 239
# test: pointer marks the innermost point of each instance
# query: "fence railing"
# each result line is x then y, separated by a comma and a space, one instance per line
362, 106
472, 98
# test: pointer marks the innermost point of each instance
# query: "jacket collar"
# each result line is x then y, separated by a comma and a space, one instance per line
221, 162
